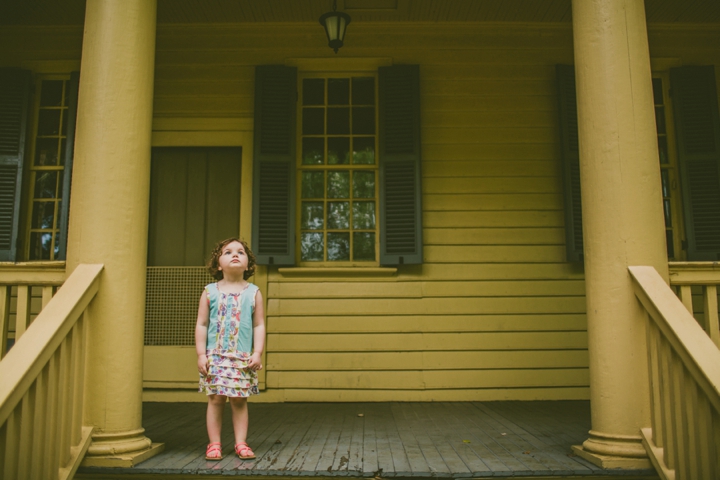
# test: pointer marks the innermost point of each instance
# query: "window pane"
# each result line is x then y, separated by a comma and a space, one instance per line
363, 91
364, 185
663, 150
363, 246
42, 215
48, 122
313, 151
62, 151
338, 150
670, 246
657, 91
364, 215
40, 245
660, 119
311, 247
668, 213
311, 215
313, 121
364, 150
338, 121
46, 151
313, 184
338, 215
363, 120
314, 91
338, 246
338, 184
51, 93
665, 183
46, 184
338, 91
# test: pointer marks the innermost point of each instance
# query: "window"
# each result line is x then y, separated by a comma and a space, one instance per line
46, 182
337, 167
668, 167
324, 157
36, 147
689, 161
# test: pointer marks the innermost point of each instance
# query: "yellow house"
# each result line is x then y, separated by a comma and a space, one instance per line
414, 201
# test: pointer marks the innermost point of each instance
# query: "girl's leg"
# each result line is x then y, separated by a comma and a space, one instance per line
216, 405
240, 418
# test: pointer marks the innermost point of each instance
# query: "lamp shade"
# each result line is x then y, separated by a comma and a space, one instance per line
335, 24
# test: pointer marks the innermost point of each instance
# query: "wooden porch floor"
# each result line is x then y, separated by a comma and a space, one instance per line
451, 440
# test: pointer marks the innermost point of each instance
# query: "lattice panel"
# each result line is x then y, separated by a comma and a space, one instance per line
173, 294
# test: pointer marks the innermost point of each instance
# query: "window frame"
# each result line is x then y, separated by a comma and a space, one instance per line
302, 75
28, 198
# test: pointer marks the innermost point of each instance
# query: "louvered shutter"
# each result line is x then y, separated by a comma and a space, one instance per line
273, 235
14, 99
400, 167
570, 155
72, 97
694, 94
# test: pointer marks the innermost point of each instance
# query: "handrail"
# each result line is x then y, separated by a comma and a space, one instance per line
21, 282
684, 367
41, 393
705, 277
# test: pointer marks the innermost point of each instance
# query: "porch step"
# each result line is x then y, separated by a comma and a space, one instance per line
376, 440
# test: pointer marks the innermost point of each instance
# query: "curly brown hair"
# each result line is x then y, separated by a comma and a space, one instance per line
213, 264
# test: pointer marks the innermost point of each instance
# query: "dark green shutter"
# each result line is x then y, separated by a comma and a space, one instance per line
694, 94
400, 173
14, 100
570, 155
273, 235
71, 91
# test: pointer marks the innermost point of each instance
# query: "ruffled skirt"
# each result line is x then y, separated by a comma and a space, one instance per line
229, 375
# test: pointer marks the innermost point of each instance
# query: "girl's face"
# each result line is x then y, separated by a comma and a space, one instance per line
233, 258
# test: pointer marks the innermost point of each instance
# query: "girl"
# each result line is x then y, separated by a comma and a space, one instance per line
229, 340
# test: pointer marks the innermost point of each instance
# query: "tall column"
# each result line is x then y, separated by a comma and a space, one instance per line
622, 218
109, 218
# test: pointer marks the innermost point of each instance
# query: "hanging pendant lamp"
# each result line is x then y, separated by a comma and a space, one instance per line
335, 24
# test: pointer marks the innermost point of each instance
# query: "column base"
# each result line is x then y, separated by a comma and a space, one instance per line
608, 461
614, 451
124, 449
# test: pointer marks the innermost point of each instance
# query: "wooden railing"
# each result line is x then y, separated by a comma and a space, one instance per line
684, 365
699, 280
41, 392
25, 289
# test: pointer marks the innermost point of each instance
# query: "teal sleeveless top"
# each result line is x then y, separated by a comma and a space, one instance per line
230, 326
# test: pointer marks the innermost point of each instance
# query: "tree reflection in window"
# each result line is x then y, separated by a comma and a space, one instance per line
338, 170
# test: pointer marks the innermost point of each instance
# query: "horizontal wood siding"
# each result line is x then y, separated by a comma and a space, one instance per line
495, 311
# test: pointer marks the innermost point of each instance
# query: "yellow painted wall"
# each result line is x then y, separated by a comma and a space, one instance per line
494, 312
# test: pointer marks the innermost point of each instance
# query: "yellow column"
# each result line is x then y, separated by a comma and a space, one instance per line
622, 218
109, 218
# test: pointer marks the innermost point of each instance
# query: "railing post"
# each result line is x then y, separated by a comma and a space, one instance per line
4, 318
711, 313
22, 312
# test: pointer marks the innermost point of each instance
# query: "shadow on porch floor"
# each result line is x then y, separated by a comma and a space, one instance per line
464, 439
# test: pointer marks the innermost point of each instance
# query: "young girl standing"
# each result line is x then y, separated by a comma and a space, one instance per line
229, 340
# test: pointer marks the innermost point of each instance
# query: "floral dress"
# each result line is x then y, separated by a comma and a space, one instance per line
229, 343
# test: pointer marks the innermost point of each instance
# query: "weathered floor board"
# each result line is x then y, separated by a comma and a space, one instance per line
445, 440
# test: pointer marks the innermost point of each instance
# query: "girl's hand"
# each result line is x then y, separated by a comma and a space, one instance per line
255, 362
202, 364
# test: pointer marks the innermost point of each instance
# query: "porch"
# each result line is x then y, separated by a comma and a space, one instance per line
448, 439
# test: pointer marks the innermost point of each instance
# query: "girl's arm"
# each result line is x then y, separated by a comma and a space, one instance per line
201, 328
255, 361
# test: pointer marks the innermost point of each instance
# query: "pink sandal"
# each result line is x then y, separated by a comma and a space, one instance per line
213, 451
243, 451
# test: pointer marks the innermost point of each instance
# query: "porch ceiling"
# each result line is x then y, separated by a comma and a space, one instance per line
53, 12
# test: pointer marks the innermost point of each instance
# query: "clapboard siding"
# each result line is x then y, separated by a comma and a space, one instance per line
494, 312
